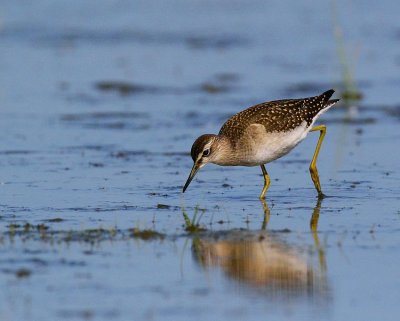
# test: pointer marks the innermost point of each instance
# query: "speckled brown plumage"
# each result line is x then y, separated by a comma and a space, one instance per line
277, 116
262, 134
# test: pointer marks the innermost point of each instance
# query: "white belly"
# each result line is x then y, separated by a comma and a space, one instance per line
271, 146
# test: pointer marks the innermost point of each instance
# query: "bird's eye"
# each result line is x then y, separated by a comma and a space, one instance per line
206, 152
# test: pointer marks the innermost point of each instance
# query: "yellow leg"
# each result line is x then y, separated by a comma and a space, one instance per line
314, 227
313, 165
267, 214
267, 182
315, 216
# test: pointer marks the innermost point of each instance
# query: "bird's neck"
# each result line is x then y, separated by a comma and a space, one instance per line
225, 154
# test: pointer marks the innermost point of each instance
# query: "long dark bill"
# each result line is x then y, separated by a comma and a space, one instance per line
193, 172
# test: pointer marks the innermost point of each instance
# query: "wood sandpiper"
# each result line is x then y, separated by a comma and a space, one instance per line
263, 133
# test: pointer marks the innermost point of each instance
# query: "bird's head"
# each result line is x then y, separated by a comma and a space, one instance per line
203, 151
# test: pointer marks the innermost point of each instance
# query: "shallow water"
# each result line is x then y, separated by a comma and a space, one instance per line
100, 103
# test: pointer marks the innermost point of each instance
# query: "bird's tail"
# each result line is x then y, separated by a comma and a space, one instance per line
326, 98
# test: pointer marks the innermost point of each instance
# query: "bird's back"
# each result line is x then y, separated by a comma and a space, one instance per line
278, 115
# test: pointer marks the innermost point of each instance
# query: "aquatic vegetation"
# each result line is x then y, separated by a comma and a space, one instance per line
44, 233
55, 220
23, 273
163, 206
123, 88
349, 91
211, 88
193, 225
146, 234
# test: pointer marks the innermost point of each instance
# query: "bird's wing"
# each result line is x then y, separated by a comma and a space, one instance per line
278, 115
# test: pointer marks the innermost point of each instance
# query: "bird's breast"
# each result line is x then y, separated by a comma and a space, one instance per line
260, 147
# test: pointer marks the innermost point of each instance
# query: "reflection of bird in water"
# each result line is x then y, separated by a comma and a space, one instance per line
263, 133
260, 263
263, 261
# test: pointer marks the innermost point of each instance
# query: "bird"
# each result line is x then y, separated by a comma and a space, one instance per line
263, 133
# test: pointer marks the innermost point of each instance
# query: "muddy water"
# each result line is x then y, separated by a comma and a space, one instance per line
100, 103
